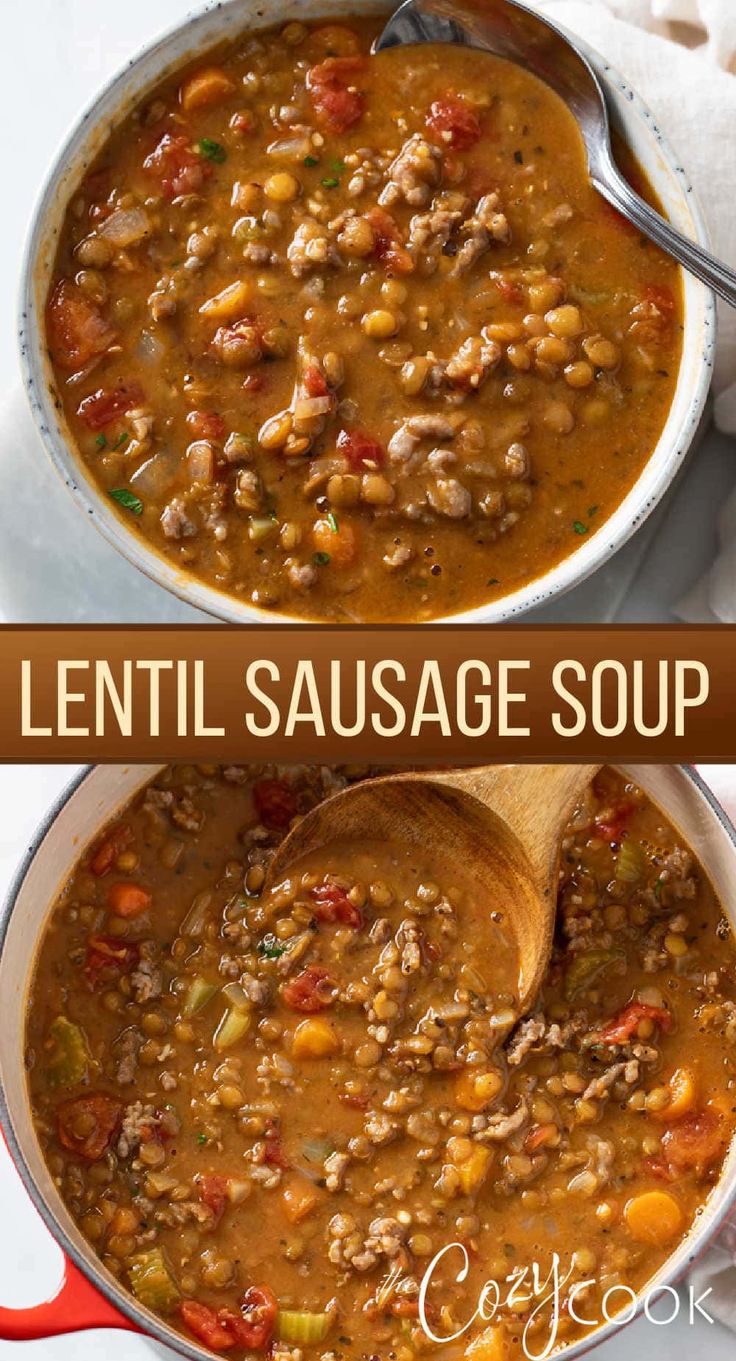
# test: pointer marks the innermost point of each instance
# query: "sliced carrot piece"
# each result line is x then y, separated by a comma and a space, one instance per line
205, 87
653, 1217
128, 900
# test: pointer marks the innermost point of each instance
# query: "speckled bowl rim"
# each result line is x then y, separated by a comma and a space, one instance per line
598, 547
716, 1210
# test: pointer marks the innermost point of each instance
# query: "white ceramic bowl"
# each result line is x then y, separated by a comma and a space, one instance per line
200, 31
91, 1296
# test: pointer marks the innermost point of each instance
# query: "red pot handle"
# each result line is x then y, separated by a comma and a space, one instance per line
76, 1306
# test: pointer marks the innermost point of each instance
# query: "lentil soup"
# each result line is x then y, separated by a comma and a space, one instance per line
269, 1111
352, 337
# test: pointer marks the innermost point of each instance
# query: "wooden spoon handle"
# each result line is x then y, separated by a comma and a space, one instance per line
535, 801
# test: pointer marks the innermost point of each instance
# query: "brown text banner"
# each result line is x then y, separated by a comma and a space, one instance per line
442, 694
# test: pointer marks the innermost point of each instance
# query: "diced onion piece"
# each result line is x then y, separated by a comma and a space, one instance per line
149, 348
291, 148
306, 408
125, 226
228, 303
301, 1326
196, 918
201, 462
238, 1189
157, 474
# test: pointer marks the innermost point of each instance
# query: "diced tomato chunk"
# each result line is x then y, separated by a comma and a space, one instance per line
509, 289
77, 330
177, 166
612, 823
101, 408
331, 89
128, 900
362, 451
254, 1326
275, 802
108, 850
88, 1124
622, 1027
332, 904
274, 1148
312, 990
220, 1330
315, 383
212, 1190
696, 1142
453, 119
389, 247
405, 1308
203, 1322
108, 954
206, 425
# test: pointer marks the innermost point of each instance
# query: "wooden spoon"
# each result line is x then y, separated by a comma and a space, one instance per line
497, 827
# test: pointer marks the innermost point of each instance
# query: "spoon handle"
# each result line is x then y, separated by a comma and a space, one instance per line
718, 276
535, 801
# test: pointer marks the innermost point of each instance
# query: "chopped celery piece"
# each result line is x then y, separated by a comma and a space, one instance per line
198, 994
68, 1059
631, 862
585, 967
233, 1026
235, 994
152, 1282
301, 1326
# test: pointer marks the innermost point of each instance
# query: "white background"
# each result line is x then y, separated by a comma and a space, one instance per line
30, 1262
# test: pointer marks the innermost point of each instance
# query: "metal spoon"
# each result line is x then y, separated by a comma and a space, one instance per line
510, 30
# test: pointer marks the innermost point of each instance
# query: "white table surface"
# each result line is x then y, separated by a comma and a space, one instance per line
30, 1262
62, 50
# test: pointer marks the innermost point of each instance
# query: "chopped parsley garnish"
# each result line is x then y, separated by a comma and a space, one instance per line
592, 510
332, 522
269, 948
321, 559
332, 181
201, 1139
122, 439
128, 499
519, 157
101, 441
493, 581
212, 151
579, 527
311, 160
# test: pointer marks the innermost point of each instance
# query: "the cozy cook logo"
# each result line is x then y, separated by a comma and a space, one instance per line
542, 1299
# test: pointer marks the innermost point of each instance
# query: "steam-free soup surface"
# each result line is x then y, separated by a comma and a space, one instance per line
353, 337
268, 1112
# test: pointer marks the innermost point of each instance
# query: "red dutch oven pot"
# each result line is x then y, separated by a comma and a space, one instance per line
89, 1296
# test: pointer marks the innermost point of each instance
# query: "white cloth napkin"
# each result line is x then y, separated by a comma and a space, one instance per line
681, 56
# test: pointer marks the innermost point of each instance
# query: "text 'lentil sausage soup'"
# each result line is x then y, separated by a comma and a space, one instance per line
269, 1110
352, 337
